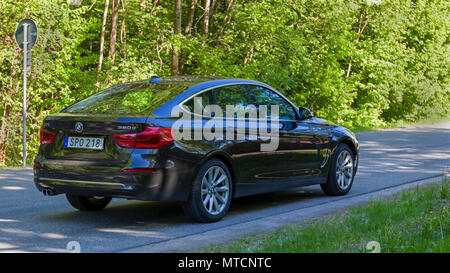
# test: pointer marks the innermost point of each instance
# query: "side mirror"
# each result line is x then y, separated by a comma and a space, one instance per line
305, 113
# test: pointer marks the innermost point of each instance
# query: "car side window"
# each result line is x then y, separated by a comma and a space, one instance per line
234, 96
200, 101
259, 95
244, 98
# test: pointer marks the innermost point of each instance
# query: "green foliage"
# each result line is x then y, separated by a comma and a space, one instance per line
56, 59
398, 61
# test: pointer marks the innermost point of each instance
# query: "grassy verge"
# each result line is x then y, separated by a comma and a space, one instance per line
413, 221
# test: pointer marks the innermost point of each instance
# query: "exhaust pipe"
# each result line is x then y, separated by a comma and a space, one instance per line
48, 192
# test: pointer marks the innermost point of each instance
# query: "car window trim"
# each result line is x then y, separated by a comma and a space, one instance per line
285, 100
184, 108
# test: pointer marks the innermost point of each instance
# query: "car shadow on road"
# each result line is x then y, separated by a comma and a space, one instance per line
126, 213
134, 222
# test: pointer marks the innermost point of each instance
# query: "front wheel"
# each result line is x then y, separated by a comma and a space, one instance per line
88, 203
342, 172
211, 193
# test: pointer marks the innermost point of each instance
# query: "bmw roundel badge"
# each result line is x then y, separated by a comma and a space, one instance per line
78, 127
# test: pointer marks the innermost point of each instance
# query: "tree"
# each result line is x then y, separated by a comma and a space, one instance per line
190, 17
326, 55
176, 31
123, 31
102, 36
364, 19
206, 17
227, 18
112, 39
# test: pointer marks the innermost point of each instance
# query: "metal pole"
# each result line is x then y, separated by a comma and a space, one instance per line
24, 114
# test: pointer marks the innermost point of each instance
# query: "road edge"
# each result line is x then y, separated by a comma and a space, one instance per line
271, 223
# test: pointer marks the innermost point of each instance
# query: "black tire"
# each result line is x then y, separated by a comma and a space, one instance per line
332, 187
88, 203
194, 207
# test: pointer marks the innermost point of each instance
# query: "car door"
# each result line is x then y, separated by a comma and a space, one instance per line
297, 153
244, 149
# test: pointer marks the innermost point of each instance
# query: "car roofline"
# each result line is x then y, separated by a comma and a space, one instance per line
166, 109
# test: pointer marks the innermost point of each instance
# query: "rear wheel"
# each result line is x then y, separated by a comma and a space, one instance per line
342, 172
211, 193
88, 203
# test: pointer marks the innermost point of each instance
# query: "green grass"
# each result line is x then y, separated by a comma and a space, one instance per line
413, 221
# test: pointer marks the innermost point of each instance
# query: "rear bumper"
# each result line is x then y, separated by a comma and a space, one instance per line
162, 185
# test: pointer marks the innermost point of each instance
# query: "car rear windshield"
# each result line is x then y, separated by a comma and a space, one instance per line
127, 99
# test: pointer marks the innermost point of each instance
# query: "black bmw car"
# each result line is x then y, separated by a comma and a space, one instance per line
124, 142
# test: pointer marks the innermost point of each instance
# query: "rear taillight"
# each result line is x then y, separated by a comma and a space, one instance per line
150, 138
46, 137
153, 137
125, 140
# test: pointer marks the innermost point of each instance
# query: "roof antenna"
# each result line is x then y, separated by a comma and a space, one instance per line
155, 79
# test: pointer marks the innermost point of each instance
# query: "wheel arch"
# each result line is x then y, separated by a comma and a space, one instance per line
227, 160
353, 147
349, 142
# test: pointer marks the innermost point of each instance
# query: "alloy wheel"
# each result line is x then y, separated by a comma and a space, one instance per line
215, 190
344, 169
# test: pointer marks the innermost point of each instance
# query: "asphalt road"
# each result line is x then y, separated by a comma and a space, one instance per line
31, 222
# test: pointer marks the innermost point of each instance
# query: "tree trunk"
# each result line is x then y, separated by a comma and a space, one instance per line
187, 32
155, 4
113, 36
249, 56
143, 5
123, 31
176, 30
102, 36
206, 17
2, 138
361, 28
190, 19
212, 10
92, 5
227, 18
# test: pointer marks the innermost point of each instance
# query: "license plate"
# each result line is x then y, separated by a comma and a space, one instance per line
95, 143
